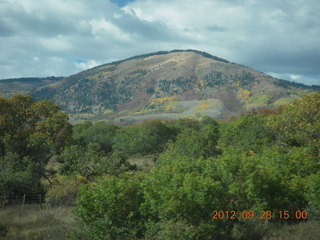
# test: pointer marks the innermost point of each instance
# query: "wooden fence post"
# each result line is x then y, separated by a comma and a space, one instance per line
23, 200
40, 202
4, 200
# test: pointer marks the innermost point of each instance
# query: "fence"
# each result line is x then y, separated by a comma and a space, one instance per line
10, 200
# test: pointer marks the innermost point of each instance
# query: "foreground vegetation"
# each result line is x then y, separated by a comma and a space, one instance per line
31, 223
263, 161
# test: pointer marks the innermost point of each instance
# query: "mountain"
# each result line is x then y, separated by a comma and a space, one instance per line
179, 83
12, 86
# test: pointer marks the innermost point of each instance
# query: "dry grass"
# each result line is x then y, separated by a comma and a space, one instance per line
35, 223
302, 231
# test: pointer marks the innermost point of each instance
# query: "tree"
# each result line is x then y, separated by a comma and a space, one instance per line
91, 161
249, 132
147, 138
30, 133
100, 132
299, 123
196, 143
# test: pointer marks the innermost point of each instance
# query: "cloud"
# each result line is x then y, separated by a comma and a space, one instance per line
46, 36
104, 29
83, 65
308, 80
279, 36
215, 28
56, 44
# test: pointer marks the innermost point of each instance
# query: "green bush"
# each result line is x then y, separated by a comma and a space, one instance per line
147, 138
101, 133
249, 132
90, 161
114, 164
197, 143
313, 193
180, 195
110, 208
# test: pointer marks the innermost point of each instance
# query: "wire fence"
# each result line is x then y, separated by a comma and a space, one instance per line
22, 200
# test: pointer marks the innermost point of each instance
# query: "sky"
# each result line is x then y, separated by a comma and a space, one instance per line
62, 37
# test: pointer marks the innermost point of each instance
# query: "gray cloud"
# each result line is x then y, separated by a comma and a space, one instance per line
215, 28
61, 37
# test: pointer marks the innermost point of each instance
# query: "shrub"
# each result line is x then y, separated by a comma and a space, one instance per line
110, 208
147, 138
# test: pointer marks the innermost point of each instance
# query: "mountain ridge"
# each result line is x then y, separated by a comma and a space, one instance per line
24, 85
168, 84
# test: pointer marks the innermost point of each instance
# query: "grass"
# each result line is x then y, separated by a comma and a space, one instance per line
283, 101
307, 231
33, 223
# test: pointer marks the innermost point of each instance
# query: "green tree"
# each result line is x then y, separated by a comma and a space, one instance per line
114, 164
249, 132
91, 161
147, 138
182, 193
80, 160
30, 134
110, 208
196, 143
100, 132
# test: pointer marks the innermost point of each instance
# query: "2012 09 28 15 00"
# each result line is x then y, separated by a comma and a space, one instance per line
263, 214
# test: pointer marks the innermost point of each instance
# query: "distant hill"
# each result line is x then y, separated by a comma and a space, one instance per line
180, 83
9, 87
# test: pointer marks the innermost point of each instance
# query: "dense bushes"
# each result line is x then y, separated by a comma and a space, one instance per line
100, 133
178, 197
103, 148
251, 163
265, 161
201, 142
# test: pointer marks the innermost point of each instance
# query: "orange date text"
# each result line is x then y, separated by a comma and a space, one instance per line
263, 215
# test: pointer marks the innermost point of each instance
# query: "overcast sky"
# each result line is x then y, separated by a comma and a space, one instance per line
61, 37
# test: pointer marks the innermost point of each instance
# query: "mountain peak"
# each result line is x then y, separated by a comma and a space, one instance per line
168, 84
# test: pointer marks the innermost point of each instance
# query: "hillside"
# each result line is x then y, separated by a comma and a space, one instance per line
12, 86
168, 85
